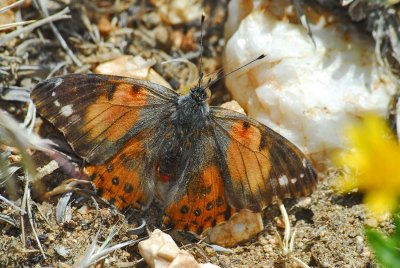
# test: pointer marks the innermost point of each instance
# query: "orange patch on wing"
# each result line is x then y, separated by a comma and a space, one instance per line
248, 171
130, 95
247, 134
101, 118
203, 206
116, 181
125, 124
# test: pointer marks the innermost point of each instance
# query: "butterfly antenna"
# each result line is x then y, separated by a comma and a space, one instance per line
203, 17
235, 70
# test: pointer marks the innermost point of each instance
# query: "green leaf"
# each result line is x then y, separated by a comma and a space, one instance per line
385, 248
396, 234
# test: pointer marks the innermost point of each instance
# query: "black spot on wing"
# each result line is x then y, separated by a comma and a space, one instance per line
111, 91
263, 142
115, 181
128, 188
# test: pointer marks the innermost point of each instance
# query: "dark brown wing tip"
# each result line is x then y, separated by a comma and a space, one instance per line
45, 86
311, 177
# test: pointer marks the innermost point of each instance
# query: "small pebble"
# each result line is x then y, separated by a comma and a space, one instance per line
161, 35
304, 202
371, 222
83, 210
62, 251
359, 244
104, 25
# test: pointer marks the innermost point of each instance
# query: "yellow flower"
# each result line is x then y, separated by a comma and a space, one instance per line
372, 165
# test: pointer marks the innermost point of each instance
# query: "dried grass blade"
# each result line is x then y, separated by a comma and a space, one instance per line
18, 3
58, 16
15, 24
5, 200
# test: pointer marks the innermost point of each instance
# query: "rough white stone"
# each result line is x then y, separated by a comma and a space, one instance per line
305, 93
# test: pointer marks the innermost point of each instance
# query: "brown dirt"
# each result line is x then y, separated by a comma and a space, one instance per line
329, 234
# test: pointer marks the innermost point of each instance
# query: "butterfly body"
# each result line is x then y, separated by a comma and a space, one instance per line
142, 140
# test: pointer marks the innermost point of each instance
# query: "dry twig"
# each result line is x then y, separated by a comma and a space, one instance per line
71, 54
24, 30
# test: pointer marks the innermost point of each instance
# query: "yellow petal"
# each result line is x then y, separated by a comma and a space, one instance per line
381, 202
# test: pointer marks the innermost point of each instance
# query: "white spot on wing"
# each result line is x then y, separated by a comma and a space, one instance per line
304, 162
283, 180
302, 175
56, 103
57, 81
293, 180
53, 93
67, 110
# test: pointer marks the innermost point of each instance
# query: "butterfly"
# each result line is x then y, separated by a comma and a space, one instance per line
141, 140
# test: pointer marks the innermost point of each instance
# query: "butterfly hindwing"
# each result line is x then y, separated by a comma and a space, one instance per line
99, 114
197, 200
126, 179
258, 164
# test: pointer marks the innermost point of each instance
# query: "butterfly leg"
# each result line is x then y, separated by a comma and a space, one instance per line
68, 186
287, 243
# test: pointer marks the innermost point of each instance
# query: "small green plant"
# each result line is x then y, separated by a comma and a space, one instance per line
386, 248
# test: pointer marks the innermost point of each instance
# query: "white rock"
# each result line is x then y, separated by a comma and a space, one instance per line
233, 105
160, 251
305, 93
240, 227
134, 67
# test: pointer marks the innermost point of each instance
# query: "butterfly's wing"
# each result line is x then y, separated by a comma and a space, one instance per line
258, 164
110, 122
197, 201
128, 178
237, 163
99, 114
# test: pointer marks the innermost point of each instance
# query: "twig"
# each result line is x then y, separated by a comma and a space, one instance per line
28, 206
18, 3
23, 205
58, 16
7, 219
15, 24
56, 69
302, 264
5, 200
42, 214
58, 35
22, 68
21, 48
117, 7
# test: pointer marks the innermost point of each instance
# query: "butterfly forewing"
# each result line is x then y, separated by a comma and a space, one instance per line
99, 114
258, 164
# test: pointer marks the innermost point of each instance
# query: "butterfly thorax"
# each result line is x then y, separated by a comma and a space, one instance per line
190, 122
192, 110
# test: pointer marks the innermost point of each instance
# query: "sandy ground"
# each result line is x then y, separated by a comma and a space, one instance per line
329, 234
